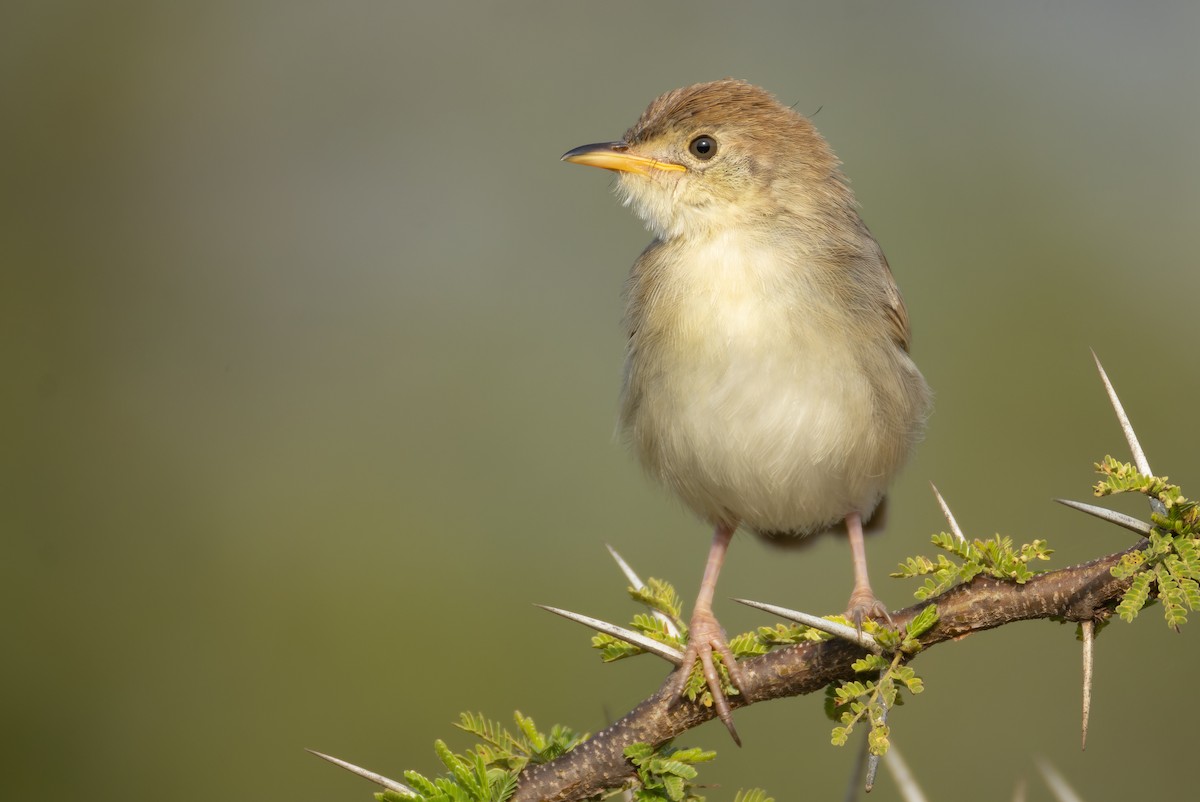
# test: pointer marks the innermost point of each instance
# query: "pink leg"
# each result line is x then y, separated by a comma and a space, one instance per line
705, 636
863, 603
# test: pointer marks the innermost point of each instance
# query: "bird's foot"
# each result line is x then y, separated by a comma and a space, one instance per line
863, 606
706, 639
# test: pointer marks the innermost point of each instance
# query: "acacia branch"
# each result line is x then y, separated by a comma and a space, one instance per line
1086, 592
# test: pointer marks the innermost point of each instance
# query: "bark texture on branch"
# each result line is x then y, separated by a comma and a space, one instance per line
1083, 592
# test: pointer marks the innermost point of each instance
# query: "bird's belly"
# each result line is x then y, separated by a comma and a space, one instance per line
756, 427
777, 458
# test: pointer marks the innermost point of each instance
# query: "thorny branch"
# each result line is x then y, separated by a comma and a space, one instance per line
1086, 592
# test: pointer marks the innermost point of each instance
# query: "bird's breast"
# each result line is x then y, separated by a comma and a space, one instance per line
725, 318
726, 298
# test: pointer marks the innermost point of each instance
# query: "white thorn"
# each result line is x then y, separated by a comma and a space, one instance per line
863, 639
1057, 784
1019, 791
378, 779
1112, 516
1139, 456
636, 581
905, 781
637, 639
630, 574
1088, 630
949, 515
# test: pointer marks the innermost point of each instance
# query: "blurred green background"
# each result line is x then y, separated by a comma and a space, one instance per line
311, 351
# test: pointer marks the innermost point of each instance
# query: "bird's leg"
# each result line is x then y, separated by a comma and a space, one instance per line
863, 603
705, 636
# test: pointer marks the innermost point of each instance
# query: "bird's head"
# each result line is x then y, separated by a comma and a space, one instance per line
719, 155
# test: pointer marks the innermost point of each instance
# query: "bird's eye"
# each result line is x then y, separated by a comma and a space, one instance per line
703, 147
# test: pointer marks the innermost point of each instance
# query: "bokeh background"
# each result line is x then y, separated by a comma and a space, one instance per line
311, 350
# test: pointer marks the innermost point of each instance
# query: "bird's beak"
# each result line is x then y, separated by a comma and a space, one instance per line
616, 156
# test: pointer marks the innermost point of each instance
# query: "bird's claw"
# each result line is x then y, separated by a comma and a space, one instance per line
863, 606
705, 638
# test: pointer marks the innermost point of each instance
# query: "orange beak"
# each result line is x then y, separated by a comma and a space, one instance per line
616, 156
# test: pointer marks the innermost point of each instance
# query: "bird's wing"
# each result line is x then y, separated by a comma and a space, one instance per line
896, 313
893, 303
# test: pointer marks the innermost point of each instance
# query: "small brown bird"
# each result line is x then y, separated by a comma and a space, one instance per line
767, 376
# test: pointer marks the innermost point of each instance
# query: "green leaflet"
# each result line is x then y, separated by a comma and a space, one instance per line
1168, 568
994, 557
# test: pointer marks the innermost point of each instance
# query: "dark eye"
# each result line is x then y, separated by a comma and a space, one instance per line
703, 147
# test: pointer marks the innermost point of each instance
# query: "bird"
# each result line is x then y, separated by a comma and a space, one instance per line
767, 378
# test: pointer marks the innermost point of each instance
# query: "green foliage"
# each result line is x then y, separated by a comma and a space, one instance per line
753, 795
469, 780
907, 640
665, 774
1136, 597
649, 625
786, 635
922, 622
696, 687
1169, 567
748, 644
502, 748
995, 557
658, 596
488, 773
852, 701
